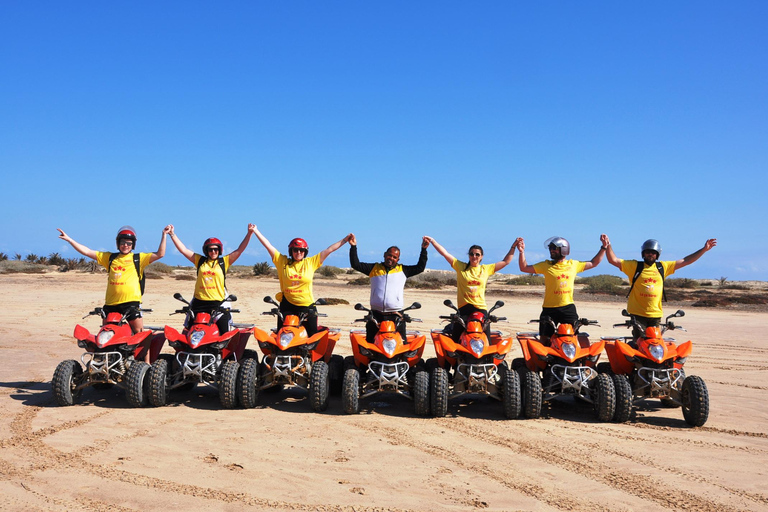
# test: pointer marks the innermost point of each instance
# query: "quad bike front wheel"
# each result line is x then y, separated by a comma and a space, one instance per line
512, 399
421, 392
228, 384
65, 379
695, 398
623, 390
248, 384
350, 391
604, 397
158, 382
532, 393
438, 388
319, 386
137, 384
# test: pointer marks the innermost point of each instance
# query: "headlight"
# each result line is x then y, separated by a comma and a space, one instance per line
389, 346
285, 339
196, 337
104, 337
477, 346
657, 352
569, 349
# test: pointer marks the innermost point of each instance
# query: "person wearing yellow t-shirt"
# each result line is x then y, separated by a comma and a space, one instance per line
559, 275
123, 285
644, 301
296, 273
210, 291
471, 279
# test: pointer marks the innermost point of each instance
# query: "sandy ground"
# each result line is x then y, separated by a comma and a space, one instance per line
104, 455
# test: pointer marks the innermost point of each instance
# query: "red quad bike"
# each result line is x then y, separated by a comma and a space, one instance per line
566, 367
203, 355
652, 367
474, 365
110, 359
292, 358
388, 364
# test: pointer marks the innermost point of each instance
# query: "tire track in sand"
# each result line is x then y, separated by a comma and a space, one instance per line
46, 457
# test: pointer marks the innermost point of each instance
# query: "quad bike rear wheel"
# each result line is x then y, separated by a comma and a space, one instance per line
248, 384
65, 380
158, 382
137, 384
319, 386
604, 397
623, 390
228, 384
438, 388
512, 399
695, 398
350, 393
532, 393
336, 374
421, 392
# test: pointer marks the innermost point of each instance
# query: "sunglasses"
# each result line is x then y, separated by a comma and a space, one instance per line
475, 254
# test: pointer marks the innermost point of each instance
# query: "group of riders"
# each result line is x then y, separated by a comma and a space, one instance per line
296, 271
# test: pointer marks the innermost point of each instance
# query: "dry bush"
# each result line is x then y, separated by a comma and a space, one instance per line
682, 282
603, 283
528, 280
332, 301
431, 280
262, 269
20, 267
329, 271
361, 281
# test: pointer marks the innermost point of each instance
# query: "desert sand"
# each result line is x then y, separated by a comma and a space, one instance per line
192, 454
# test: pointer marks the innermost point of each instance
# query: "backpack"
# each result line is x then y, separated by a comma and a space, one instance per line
639, 271
136, 262
220, 261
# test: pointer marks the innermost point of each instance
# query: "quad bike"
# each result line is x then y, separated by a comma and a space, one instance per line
292, 358
387, 364
474, 365
203, 355
565, 367
652, 367
110, 359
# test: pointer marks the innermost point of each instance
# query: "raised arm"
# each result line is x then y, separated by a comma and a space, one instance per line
439, 248
334, 247
85, 251
160, 252
524, 266
268, 246
179, 245
598, 257
695, 256
418, 268
234, 255
612, 259
507, 259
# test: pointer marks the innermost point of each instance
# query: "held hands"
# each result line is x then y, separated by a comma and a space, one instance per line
425, 242
605, 240
352, 240
520, 243
168, 230
251, 228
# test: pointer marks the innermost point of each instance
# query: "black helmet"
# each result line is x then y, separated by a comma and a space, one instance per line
651, 245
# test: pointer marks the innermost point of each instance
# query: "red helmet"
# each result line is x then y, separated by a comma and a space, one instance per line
212, 242
477, 316
298, 243
125, 233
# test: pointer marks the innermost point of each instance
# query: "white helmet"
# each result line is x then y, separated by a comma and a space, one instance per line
562, 243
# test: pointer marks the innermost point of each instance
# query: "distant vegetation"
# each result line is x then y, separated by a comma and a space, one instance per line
526, 280
329, 271
603, 283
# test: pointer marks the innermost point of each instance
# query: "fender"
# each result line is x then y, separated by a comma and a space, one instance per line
596, 348
82, 334
172, 334
263, 336
685, 349
626, 350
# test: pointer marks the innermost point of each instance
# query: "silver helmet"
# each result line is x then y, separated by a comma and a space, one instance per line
562, 243
651, 245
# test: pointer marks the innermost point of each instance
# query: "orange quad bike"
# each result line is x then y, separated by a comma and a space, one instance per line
567, 366
652, 367
386, 364
473, 365
292, 358
203, 355
110, 359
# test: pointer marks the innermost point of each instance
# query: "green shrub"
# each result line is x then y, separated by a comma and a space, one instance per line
431, 280
602, 284
262, 269
526, 280
361, 281
158, 269
682, 282
3, 256
329, 271
734, 286
55, 259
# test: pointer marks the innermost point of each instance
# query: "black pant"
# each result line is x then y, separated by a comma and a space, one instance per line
371, 329
310, 324
209, 306
465, 311
562, 315
644, 322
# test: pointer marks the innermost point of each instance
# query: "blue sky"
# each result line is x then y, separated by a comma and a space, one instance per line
472, 122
